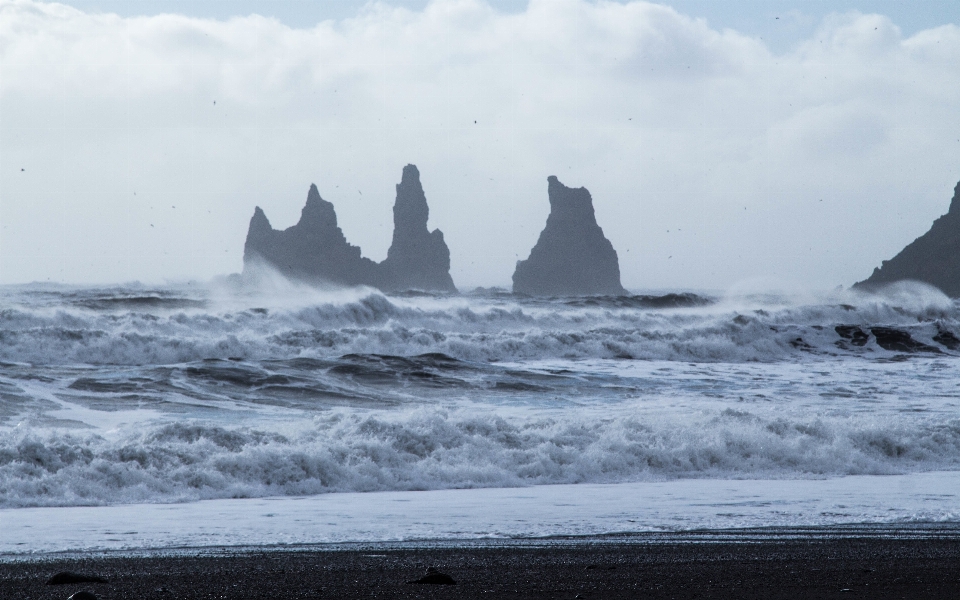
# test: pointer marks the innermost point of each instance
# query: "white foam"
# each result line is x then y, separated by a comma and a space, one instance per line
585, 509
470, 446
299, 321
112, 401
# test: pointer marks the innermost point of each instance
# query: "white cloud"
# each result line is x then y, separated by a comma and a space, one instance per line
147, 141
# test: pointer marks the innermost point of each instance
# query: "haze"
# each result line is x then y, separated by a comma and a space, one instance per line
788, 141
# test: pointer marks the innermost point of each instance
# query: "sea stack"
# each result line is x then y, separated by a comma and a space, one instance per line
932, 258
572, 257
418, 258
316, 251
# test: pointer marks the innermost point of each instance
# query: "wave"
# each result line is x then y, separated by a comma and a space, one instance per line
142, 326
303, 384
431, 448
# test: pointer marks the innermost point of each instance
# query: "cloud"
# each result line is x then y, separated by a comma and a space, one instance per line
147, 141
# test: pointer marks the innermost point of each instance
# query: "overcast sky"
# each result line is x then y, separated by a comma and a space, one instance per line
796, 143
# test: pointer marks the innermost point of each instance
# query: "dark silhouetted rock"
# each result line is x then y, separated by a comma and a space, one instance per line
435, 577
895, 340
857, 336
418, 258
316, 251
65, 577
932, 258
84, 595
948, 339
572, 256
682, 300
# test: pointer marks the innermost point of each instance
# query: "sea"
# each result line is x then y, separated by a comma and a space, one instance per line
233, 413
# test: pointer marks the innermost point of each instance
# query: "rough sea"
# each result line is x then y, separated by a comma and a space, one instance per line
215, 414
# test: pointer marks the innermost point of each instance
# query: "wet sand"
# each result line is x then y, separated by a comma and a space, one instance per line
910, 563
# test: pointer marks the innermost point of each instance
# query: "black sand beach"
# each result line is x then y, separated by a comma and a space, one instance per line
834, 563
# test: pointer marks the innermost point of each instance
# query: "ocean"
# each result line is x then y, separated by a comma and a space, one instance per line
223, 414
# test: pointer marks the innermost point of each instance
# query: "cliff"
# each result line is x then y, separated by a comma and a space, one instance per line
316, 251
932, 258
572, 256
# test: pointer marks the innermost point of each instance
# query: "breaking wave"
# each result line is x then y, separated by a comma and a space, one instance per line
432, 448
143, 326
136, 394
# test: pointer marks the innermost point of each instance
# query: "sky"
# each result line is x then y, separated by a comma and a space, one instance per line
783, 142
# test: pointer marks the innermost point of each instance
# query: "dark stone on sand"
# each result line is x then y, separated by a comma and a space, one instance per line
857, 336
572, 257
932, 258
316, 251
435, 577
84, 595
909, 560
895, 340
66, 577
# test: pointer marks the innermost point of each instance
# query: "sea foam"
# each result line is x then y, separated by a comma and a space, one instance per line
140, 394
436, 448
160, 327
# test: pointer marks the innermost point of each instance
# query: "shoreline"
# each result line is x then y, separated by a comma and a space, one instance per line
577, 511
921, 530
863, 560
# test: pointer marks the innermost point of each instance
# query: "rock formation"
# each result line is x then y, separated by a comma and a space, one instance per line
316, 251
572, 256
418, 258
932, 258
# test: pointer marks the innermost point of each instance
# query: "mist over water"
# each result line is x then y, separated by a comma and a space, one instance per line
185, 392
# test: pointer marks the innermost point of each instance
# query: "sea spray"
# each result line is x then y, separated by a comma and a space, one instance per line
434, 448
181, 393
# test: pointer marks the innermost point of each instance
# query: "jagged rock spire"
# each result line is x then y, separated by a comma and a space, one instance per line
955, 203
418, 258
572, 256
932, 258
315, 249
